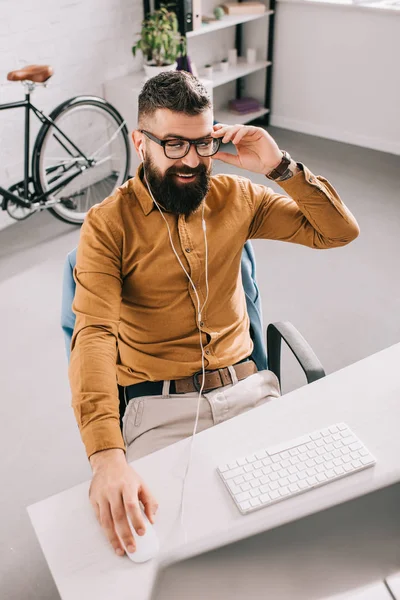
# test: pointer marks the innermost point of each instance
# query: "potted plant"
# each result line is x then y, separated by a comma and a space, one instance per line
160, 42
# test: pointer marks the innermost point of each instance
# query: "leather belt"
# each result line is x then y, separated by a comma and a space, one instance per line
213, 379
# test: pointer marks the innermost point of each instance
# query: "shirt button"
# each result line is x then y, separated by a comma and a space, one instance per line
201, 323
187, 249
207, 352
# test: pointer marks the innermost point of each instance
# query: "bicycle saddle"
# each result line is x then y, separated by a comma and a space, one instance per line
36, 73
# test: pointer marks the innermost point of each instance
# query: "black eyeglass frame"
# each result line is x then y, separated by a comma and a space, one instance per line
191, 143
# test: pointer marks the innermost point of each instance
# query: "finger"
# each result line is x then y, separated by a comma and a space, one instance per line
231, 159
149, 502
119, 515
239, 136
96, 509
218, 126
132, 509
107, 523
231, 133
223, 130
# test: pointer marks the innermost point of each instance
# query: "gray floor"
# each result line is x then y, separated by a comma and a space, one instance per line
344, 301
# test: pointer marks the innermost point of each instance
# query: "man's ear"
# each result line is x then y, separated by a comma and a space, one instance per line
138, 141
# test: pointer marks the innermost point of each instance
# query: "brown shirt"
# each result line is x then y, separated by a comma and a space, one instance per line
135, 308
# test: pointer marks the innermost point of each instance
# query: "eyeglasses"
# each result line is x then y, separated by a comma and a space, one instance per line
178, 147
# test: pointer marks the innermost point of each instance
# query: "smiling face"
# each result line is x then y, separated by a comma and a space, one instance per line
178, 184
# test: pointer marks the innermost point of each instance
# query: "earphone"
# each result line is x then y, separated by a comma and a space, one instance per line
198, 321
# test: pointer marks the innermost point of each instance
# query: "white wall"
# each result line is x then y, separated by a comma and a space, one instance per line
336, 73
86, 41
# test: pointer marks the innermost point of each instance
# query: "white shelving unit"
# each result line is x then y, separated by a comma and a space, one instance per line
242, 69
227, 21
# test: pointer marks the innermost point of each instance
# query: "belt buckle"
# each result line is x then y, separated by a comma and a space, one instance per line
197, 385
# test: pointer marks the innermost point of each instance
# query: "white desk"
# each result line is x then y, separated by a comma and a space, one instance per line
366, 395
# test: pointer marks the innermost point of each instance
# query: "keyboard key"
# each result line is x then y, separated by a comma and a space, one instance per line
311, 446
257, 473
294, 487
312, 454
266, 470
286, 463
258, 464
261, 454
355, 446
233, 464
264, 479
303, 448
363, 452
348, 467
283, 473
243, 496
339, 470
303, 485
333, 429
235, 489
366, 460
276, 467
245, 505
284, 491
238, 480
321, 477
345, 450
276, 458
293, 478
338, 461
319, 443
336, 436
264, 489
303, 475
321, 451
336, 453
311, 463
315, 436
248, 468
355, 455
245, 487
330, 473
356, 463
283, 482
347, 459
329, 447
265, 498
320, 468
252, 458
311, 472
233, 473
338, 445
223, 468
256, 492
274, 494
293, 452
342, 427
274, 476
285, 454
303, 456
328, 439
255, 502
312, 480
274, 485
255, 483
241, 462
266, 461
248, 477
319, 460
325, 432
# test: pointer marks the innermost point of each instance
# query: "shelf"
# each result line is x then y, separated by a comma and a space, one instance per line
227, 21
228, 118
242, 69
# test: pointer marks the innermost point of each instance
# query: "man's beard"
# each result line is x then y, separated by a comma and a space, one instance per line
179, 198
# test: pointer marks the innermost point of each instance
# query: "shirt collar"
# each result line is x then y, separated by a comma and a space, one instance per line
141, 192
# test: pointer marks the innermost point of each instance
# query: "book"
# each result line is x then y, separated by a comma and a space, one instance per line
243, 8
243, 106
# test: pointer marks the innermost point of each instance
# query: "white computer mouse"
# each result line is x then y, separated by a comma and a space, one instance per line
147, 545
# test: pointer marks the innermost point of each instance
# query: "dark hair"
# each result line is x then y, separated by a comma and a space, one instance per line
178, 91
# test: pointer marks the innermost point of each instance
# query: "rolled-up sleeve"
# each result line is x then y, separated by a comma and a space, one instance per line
94, 347
311, 214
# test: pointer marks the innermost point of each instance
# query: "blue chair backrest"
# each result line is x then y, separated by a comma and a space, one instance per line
253, 303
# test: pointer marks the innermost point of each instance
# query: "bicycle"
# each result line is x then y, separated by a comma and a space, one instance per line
80, 156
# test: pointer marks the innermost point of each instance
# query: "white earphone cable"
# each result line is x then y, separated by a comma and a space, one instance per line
198, 321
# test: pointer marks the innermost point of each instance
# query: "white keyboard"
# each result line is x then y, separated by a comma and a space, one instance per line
293, 467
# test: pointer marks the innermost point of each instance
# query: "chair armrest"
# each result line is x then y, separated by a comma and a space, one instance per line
298, 345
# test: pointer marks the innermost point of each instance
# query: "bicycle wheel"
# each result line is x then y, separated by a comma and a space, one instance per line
97, 152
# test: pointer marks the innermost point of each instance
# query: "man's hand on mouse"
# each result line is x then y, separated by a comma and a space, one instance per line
256, 150
114, 493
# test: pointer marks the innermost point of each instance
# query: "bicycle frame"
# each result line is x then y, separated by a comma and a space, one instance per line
28, 106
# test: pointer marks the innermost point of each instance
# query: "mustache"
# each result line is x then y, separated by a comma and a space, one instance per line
184, 170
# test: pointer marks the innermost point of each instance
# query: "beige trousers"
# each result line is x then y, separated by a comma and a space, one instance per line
153, 422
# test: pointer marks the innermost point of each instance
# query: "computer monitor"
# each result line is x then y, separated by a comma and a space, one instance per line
336, 550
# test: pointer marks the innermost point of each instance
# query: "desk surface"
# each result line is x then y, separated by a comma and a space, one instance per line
365, 395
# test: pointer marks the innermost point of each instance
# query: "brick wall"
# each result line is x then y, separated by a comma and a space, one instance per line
86, 41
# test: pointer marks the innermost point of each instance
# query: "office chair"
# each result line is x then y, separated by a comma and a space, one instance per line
264, 357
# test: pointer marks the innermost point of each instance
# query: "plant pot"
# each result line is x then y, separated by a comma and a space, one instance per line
153, 70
